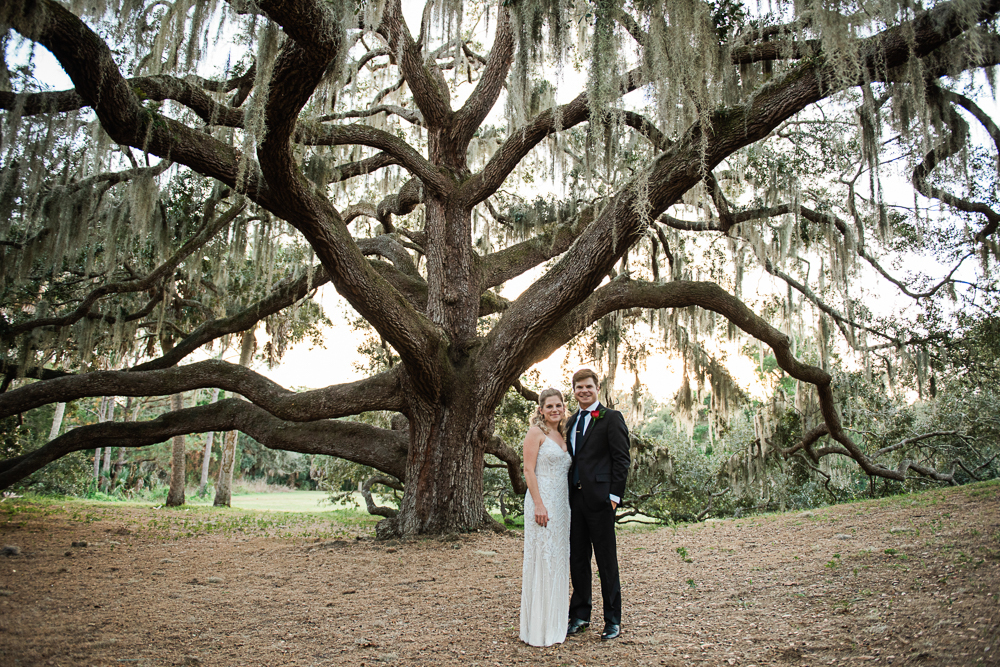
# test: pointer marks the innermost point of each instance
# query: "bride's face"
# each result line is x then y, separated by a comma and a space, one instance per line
553, 410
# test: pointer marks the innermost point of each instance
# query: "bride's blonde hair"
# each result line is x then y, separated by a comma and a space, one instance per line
539, 421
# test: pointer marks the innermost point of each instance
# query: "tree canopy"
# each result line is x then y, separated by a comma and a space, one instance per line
215, 162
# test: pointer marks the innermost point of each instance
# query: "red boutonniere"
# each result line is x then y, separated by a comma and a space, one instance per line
596, 414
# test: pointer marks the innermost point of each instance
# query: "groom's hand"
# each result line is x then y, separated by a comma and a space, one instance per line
614, 505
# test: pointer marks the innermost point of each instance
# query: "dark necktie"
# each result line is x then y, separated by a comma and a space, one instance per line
576, 446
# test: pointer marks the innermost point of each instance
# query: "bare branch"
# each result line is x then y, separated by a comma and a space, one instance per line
423, 80
410, 115
909, 441
481, 101
505, 453
526, 393
366, 493
380, 392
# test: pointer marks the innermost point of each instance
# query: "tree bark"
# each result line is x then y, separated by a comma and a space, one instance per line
57, 420
444, 469
178, 460
105, 482
224, 485
206, 456
105, 413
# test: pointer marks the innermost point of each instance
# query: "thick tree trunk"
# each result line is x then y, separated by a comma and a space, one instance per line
178, 461
227, 461
444, 471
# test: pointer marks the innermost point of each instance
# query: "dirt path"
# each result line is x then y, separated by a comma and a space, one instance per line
911, 580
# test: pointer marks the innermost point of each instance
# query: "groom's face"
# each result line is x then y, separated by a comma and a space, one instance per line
585, 392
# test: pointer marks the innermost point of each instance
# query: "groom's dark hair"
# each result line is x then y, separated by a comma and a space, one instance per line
585, 373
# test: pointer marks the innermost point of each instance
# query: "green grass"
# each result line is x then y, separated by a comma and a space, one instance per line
289, 501
295, 514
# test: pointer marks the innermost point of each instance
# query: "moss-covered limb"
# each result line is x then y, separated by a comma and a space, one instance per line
484, 97
315, 24
164, 87
109, 178
286, 293
423, 80
13, 371
318, 134
674, 172
968, 52
503, 265
949, 146
363, 167
484, 184
770, 51
625, 294
297, 72
748, 52
204, 235
845, 230
815, 78
379, 392
379, 448
88, 61
410, 115
31, 104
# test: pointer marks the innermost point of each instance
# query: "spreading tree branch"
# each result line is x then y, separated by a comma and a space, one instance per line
379, 392
381, 449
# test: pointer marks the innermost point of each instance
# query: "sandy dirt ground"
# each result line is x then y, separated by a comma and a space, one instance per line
909, 580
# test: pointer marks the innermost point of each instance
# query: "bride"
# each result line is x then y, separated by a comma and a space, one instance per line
545, 574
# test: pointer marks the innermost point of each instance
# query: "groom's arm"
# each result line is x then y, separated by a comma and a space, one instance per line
618, 445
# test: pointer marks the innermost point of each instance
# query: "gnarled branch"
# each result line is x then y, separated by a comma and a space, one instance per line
379, 448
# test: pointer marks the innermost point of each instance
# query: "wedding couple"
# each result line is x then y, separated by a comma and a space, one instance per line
576, 471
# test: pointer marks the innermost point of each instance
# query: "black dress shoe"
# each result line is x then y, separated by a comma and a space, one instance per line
576, 626
611, 631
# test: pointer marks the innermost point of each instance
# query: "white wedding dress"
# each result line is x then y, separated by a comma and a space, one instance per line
545, 574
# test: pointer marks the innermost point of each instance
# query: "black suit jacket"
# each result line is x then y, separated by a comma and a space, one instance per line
602, 457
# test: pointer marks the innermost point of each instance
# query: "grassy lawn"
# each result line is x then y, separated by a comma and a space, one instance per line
280, 501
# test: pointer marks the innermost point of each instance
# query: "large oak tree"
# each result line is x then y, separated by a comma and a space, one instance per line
383, 149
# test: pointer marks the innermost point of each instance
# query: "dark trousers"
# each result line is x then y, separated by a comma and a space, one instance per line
593, 531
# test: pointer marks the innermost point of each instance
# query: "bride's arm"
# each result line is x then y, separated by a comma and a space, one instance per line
532, 441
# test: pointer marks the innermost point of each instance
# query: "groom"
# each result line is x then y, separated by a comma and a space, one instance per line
599, 443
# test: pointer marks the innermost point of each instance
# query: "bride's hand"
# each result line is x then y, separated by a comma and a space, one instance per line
541, 516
